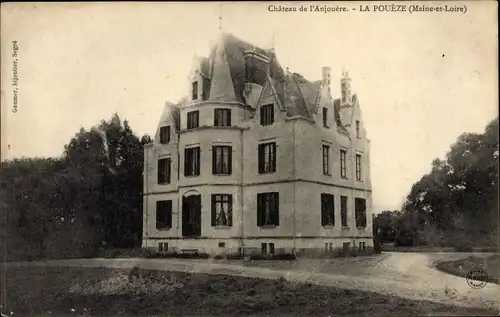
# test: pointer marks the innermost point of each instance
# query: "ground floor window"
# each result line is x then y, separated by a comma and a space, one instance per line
268, 209
222, 210
163, 247
346, 246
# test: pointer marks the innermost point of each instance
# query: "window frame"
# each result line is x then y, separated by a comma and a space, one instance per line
193, 119
327, 210
224, 200
192, 156
270, 156
222, 117
344, 211
194, 88
267, 114
268, 207
360, 212
165, 134
358, 167
164, 171
326, 160
343, 164
216, 170
167, 218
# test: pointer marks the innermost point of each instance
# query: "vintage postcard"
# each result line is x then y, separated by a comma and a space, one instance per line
249, 159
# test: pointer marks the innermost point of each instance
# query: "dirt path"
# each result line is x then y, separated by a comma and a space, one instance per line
408, 275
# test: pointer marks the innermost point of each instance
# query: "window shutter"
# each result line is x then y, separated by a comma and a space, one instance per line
323, 215
214, 216
169, 213
262, 115
216, 121
273, 147
168, 170
230, 211
214, 160
186, 164
271, 110
261, 158
160, 178
197, 168
230, 160
260, 221
333, 209
276, 212
229, 117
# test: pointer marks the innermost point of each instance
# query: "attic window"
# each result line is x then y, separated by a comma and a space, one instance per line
325, 117
165, 135
357, 129
267, 114
195, 90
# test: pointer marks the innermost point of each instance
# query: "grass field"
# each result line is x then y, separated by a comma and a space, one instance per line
460, 267
108, 292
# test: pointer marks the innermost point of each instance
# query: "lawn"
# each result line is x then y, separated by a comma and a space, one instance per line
53, 291
460, 267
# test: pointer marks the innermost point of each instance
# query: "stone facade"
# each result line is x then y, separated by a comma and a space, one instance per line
304, 124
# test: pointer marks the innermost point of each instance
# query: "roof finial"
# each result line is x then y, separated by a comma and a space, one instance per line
345, 73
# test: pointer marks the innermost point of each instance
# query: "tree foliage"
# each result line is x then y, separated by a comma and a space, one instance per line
72, 205
457, 202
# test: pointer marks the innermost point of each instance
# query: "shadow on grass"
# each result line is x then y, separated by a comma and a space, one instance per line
194, 295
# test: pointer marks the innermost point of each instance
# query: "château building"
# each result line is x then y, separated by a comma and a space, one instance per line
258, 159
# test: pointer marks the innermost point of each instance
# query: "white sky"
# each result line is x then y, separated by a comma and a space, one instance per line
422, 78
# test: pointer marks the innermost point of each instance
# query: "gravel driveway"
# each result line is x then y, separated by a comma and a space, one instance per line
408, 275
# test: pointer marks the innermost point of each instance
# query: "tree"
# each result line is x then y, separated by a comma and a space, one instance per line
459, 197
69, 206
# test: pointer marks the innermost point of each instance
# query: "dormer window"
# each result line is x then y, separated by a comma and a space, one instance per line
195, 90
325, 117
267, 114
357, 129
165, 135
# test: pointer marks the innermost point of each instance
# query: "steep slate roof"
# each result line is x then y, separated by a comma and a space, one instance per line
298, 95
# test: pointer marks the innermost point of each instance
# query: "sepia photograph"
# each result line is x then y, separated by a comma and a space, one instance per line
249, 159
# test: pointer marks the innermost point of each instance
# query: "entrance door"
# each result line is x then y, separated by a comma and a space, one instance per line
191, 216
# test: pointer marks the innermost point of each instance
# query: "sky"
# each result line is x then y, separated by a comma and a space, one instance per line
422, 79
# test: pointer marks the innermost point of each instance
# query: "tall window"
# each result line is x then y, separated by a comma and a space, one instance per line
165, 135
325, 117
195, 90
164, 214
327, 210
357, 129
268, 209
164, 171
193, 119
222, 117
343, 211
358, 167
267, 114
221, 159
326, 160
222, 206
267, 157
360, 212
192, 161
343, 168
